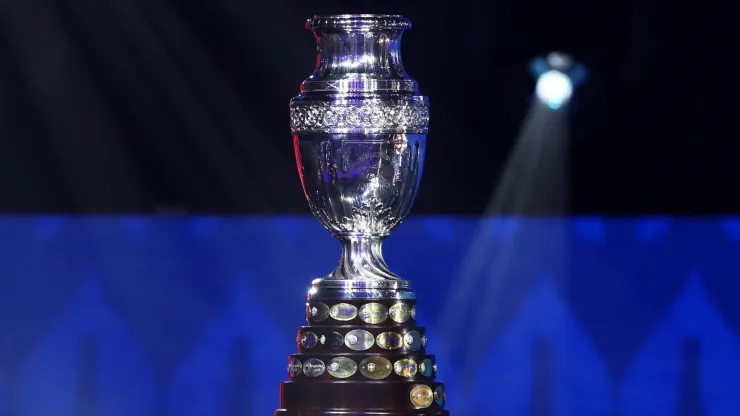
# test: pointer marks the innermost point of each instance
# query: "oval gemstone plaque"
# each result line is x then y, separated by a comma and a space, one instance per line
426, 368
343, 312
400, 312
373, 313
309, 339
412, 339
335, 340
359, 340
342, 367
421, 396
389, 340
376, 367
313, 367
405, 367
440, 396
294, 367
319, 311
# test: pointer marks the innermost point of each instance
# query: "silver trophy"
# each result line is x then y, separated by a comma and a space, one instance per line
359, 129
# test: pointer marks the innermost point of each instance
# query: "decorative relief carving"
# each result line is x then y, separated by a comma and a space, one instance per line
394, 117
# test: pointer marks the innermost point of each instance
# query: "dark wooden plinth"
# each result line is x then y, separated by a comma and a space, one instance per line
342, 412
357, 395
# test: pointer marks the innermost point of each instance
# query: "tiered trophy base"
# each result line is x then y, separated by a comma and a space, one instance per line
361, 355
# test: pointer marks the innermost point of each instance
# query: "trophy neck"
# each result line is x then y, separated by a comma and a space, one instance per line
359, 53
361, 273
362, 258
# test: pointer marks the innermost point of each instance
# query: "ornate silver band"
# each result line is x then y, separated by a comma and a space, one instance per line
359, 22
360, 289
365, 117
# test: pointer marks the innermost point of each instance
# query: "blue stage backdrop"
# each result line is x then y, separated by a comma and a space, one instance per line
197, 316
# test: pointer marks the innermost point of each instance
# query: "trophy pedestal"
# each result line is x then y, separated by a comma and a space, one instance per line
361, 357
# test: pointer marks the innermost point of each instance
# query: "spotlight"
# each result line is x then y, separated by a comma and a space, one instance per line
554, 88
557, 76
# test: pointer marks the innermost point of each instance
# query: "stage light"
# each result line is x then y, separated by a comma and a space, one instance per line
557, 77
554, 88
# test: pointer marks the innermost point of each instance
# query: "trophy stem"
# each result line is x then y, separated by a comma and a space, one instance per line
362, 258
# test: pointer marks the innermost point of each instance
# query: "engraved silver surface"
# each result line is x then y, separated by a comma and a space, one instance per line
313, 367
342, 367
400, 312
359, 129
410, 117
359, 340
343, 312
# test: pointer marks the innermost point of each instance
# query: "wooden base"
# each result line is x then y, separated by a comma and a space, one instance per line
283, 412
396, 394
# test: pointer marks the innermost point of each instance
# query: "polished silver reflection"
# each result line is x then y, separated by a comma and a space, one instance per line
359, 129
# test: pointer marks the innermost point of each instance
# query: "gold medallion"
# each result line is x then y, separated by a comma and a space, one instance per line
376, 367
343, 312
313, 367
412, 340
342, 367
359, 340
421, 396
389, 340
405, 368
400, 312
373, 313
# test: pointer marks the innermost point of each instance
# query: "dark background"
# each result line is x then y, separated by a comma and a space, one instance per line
150, 106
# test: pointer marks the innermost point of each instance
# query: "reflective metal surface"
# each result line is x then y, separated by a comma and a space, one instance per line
373, 313
313, 367
360, 289
343, 312
389, 340
342, 367
421, 396
359, 129
376, 367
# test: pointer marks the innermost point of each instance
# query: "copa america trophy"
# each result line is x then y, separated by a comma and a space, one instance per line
359, 129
